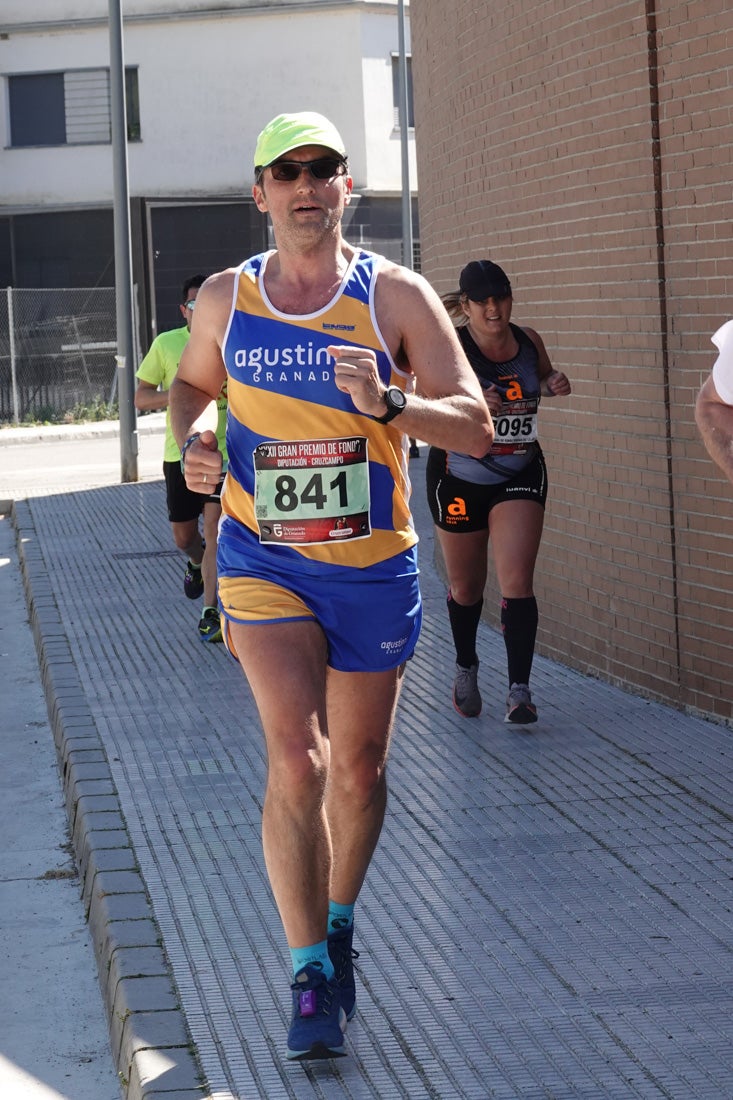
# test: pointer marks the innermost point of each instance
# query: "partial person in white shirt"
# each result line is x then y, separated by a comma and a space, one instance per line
714, 406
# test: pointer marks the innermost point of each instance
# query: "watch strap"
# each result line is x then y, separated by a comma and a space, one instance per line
191, 439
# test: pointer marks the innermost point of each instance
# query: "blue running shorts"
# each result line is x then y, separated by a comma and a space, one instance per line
371, 617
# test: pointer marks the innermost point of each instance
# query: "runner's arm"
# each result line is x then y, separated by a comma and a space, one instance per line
198, 383
449, 411
553, 383
715, 423
148, 397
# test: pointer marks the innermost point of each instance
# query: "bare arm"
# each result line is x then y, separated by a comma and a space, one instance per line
715, 423
449, 411
198, 382
148, 397
553, 383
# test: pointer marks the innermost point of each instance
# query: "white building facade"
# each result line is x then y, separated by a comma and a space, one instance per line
201, 81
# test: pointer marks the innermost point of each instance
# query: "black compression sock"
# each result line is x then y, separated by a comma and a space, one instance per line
464, 622
519, 627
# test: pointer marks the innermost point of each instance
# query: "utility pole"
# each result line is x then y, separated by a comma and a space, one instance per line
123, 250
407, 259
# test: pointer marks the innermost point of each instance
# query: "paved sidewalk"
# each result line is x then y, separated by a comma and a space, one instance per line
54, 1041
549, 911
11, 435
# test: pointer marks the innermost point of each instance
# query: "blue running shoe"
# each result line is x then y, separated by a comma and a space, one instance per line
318, 1023
342, 955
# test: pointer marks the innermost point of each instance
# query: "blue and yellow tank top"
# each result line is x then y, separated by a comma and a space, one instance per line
309, 476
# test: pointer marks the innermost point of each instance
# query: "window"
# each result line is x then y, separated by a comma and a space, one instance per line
396, 91
132, 105
42, 100
68, 108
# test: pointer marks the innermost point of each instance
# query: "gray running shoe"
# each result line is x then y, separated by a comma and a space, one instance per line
520, 710
466, 697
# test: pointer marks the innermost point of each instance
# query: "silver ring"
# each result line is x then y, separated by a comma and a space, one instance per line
204, 479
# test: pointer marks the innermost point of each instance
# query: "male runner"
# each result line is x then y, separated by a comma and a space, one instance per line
323, 344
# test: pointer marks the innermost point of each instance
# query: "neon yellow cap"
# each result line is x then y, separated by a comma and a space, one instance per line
288, 132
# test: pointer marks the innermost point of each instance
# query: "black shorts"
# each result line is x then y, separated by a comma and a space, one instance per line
463, 506
183, 505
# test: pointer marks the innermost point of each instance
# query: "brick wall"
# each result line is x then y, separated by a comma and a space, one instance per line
586, 147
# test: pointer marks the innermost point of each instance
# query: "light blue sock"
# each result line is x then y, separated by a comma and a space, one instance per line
339, 916
315, 955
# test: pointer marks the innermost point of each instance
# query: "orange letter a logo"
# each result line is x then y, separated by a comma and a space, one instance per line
457, 507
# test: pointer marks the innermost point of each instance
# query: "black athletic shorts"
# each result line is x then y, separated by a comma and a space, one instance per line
462, 506
183, 505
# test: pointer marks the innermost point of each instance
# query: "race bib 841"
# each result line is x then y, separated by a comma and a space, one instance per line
310, 491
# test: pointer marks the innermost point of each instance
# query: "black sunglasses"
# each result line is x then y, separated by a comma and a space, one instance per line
323, 168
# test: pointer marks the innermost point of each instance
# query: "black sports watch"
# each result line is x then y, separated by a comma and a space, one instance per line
395, 401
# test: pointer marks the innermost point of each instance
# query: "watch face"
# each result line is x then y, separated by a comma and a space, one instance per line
395, 398
395, 401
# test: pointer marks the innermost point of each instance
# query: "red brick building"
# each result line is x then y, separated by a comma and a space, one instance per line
586, 147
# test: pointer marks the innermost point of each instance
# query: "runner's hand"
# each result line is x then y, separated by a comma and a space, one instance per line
493, 399
203, 464
357, 374
558, 384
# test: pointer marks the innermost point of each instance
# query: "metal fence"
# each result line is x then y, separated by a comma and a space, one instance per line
57, 352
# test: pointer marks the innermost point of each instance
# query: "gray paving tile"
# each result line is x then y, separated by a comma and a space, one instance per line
549, 911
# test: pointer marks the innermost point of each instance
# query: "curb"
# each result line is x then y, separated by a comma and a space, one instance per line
150, 424
150, 1042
